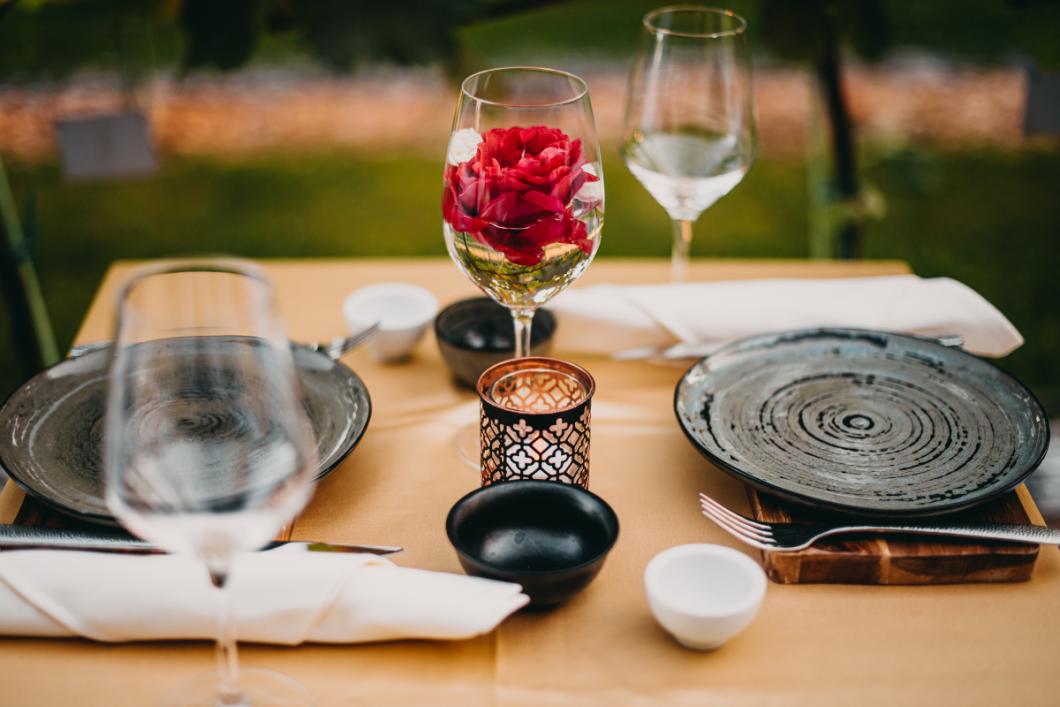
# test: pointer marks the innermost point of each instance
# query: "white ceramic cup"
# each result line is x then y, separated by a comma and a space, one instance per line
704, 594
403, 311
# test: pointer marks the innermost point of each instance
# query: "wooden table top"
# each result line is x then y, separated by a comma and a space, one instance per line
811, 644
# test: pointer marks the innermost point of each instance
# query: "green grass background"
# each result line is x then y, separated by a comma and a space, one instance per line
987, 218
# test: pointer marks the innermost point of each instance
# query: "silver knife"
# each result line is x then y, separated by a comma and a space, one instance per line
21, 537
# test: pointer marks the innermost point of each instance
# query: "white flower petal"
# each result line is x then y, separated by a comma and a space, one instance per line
463, 145
591, 191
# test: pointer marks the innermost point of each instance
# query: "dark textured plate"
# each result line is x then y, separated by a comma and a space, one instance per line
51, 427
863, 422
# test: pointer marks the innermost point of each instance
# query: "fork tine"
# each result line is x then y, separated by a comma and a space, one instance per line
736, 517
336, 347
743, 532
713, 511
728, 525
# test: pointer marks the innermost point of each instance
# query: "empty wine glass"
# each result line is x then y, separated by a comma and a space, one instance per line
207, 449
523, 190
689, 126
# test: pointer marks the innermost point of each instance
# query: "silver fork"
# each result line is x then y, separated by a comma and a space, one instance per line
786, 537
335, 348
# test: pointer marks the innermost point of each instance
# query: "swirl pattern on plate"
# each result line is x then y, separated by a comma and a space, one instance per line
862, 421
54, 425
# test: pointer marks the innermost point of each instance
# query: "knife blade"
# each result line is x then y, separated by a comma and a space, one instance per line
22, 537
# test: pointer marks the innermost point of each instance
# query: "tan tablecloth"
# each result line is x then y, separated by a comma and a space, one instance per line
819, 645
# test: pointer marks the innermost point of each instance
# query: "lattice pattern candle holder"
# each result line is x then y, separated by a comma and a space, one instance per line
534, 421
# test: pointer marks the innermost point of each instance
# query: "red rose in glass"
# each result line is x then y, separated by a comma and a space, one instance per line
514, 194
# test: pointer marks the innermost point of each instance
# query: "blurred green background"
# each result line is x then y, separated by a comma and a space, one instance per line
986, 215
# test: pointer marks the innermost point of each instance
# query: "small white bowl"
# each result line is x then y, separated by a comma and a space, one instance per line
704, 594
402, 310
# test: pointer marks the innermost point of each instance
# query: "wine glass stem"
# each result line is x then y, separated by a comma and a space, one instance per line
227, 656
681, 250
523, 319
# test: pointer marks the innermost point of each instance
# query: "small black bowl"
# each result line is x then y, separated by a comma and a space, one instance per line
550, 537
473, 334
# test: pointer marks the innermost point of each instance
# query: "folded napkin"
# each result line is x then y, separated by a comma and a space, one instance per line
277, 597
611, 319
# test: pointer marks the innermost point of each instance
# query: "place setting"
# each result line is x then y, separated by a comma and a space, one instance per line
200, 475
202, 430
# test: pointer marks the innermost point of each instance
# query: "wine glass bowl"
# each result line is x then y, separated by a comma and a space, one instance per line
200, 472
689, 123
523, 197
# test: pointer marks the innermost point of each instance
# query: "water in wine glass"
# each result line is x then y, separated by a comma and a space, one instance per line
523, 286
687, 171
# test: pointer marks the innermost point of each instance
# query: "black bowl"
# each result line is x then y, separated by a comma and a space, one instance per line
473, 334
550, 537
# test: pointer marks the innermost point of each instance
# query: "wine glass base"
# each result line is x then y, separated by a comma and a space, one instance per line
466, 441
258, 688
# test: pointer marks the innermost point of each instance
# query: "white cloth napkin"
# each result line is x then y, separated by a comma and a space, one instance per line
692, 318
277, 597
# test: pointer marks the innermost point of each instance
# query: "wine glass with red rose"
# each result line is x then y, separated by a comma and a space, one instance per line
523, 196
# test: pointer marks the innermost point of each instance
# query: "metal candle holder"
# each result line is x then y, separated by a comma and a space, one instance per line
534, 421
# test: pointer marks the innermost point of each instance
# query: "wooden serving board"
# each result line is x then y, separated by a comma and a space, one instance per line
908, 559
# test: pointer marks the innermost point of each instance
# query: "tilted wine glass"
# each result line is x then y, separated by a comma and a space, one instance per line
689, 125
523, 190
207, 449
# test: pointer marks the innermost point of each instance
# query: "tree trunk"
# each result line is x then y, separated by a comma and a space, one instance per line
845, 174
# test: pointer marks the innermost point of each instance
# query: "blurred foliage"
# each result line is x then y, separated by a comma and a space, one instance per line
799, 30
341, 35
46, 40
338, 35
976, 31
53, 38
982, 29
223, 35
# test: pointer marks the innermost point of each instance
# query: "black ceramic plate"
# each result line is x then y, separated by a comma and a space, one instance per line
51, 427
863, 422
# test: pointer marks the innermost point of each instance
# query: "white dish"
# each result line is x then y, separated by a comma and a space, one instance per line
704, 594
403, 311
